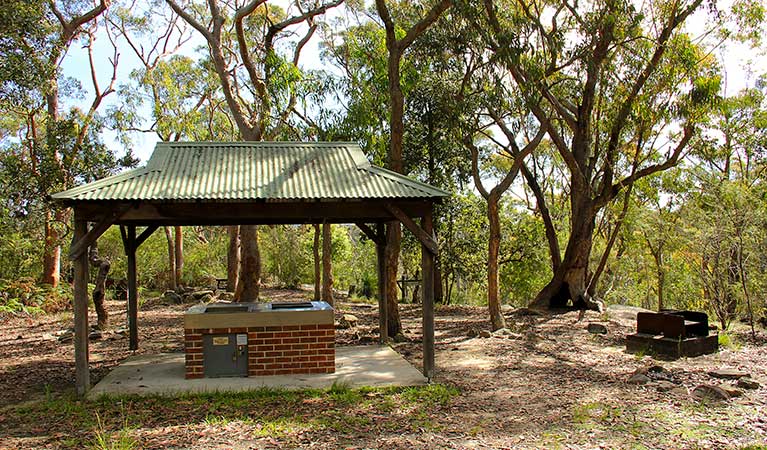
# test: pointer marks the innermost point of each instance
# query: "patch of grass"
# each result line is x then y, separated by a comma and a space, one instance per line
281, 426
357, 300
342, 393
105, 440
553, 439
422, 421
433, 394
598, 412
114, 422
639, 354
343, 423
729, 341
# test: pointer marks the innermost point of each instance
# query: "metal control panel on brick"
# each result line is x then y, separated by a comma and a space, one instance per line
225, 355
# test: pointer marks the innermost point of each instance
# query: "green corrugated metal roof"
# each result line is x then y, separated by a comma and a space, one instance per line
237, 171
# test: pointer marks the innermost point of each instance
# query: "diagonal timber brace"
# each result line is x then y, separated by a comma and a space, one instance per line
378, 239
81, 246
428, 241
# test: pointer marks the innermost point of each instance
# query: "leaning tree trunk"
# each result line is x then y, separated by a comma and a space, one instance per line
99, 289
233, 258
493, 246
250, 265
327, 272
571, 279
171, 260
393, 241
317, 269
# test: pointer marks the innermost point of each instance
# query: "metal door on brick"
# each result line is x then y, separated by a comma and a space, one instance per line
225, 355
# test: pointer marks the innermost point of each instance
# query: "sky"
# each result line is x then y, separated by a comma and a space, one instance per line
742, 65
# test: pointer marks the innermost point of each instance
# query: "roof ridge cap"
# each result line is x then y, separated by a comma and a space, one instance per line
101, 183
407, 181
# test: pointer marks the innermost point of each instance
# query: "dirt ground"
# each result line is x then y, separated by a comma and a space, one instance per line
549, 383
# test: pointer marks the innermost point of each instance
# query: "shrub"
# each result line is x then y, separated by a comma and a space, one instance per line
25, 296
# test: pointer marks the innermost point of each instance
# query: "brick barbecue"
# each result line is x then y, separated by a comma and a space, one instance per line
256, 339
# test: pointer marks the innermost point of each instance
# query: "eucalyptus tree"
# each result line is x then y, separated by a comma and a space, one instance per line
621, 89
396, 46
728, 208
510, 149
255, 57
179, 91
53, 147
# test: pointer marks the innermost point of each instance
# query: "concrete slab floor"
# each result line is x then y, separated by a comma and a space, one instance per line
358, 366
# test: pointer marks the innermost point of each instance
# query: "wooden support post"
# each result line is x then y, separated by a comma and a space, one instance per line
383, 318
427, 269
82, 372
130, 251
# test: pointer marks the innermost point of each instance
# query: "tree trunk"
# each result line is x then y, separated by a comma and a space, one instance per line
250, 265
438, 291
571, 279
52, 250
493, 246
171, 260
179, 255
661, 282
548, 223
393, 241
51, 253
327, 272
317, 269
233, 258
593, 284
99, 289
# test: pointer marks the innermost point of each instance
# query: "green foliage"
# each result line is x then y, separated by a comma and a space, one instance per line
25, 39
204, 257
25, 296
287, 260
525, 267
728, 341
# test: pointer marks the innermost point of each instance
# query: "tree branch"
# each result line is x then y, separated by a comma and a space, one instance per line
204, 31
432, 16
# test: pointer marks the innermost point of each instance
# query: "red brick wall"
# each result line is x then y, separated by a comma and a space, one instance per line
273, 350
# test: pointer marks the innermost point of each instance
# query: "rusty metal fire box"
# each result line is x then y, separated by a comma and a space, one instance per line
673, 333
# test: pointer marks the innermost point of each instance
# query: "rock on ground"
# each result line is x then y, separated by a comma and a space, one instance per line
664, 386
638, 378
728, 374
710, 392
172, 297
347, 321
596, 328
732, 391
748, 383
